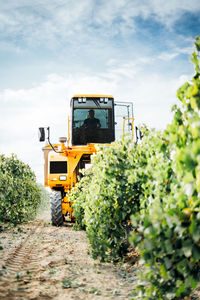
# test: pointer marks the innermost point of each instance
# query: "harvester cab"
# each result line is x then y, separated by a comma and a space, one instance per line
94, 119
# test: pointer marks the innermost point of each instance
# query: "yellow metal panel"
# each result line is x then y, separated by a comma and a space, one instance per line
66, 206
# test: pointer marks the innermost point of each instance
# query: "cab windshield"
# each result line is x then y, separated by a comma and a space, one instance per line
82, 115
92, 121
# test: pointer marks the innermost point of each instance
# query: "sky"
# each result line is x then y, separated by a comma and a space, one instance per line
137, 51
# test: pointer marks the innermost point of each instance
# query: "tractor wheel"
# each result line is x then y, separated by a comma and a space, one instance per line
56, 208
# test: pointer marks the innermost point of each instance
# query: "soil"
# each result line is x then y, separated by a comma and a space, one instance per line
41, 262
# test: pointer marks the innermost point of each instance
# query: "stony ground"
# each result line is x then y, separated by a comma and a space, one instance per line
39, 262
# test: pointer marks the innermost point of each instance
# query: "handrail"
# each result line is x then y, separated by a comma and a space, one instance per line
132, 119
68, 129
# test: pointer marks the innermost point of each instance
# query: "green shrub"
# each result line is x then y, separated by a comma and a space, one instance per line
20, 195
116, 187
157, 182
78, 196
103, 201
168, 232
110, 202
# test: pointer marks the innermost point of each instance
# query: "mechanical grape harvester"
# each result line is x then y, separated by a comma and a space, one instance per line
63, 161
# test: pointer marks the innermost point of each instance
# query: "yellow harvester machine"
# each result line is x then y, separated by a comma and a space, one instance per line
94, 119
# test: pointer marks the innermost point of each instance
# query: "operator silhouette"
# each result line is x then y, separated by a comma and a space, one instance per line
91, 122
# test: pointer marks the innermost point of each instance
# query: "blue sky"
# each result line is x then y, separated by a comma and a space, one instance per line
137, 51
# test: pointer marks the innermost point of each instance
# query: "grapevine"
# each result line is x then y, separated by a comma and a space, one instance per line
20, 194
156, 185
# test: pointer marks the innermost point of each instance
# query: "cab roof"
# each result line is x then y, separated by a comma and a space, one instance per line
92, 96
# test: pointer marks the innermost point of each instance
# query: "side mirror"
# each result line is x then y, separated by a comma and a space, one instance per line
41, 134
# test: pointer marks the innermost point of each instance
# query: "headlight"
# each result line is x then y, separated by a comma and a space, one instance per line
63, 177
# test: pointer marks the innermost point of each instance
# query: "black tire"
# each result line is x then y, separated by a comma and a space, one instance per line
56, 208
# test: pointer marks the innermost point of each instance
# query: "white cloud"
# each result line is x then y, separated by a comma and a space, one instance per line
47, 104
68, 24
57, 21
167, 56
168, 12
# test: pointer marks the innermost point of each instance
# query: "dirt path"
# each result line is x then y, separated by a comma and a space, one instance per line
39, 262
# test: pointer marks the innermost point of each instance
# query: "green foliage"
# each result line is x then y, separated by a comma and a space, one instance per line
165, 239
117, 186
168, 232
78, 198
20, 195
156, 183
110, 202
103, 201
